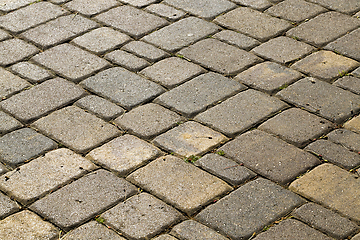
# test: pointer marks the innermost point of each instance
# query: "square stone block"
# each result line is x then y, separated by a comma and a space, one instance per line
7, 206
349, 83
255, 4
31, 72
237, 39
191, 229
145, 50
127, 60
90, 7
10, 84
15, 50
345, 6
8, 123
92, 230
347, 45
170, 13
346, 139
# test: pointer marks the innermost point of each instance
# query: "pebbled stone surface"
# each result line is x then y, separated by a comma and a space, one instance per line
346, 139
346, 6
170, 13
349, 83
237, 39
31, 72
15, 50
93, 230
191, 229
7, 206
90, 7
127, 60
353, 124
10, 84
347, 45
145, 50
8, 123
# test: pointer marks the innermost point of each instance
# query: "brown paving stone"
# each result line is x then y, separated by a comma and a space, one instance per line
353, 124
90, 7
15, 50
8, 5
10, 84
347, 45
92, 230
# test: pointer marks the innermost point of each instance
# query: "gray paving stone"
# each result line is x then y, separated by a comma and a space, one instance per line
237, 39
8, 123
324, 28
139, 3
122, 87
269, 156
235, 215
356, 72
148, 120
4, 35
353, 124
224, 168
268, 77
247, 20
132, 21
44, 175
124, 154
7, 206
219, 56
347, 45
346, 139
206, 9
349, 83
172, 71
9, 5
100, 107
145, 50
70, 62
165, 237
127, 60
241, 112
199, 93
22, 145
76, 129
42, 99
15, 50
170, 13
322, 98
191, 229
326, 220
31, 72
186, 187
141, 217
10, 84
90, 7
181, 33
101, 40
297, 126
332, 187
27, 225
92, 230
346, 6
30, 16
255, 4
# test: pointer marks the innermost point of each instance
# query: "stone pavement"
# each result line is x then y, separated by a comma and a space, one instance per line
179, 119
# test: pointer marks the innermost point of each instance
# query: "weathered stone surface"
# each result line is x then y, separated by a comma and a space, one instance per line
170, 13
31, 72
255, 4
90, 7
353, 124
4, 35
346, 6
249, 208
356, 72
7, 206
145, 50
141, 216
139, 3
356, 237
165, 237
127, 60
15, 50
10, 84
8, 123
83, 199
186, 187
8, 5
346, 139
92, 230
347, 45
349, 83
237, 39
3, 169
191, 229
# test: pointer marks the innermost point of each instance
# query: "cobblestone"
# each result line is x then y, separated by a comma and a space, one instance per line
353, 124
237, 39
31, 72
90, 7
170, 13
7, 206
10, 84
346, 139
145, 50
93, 230
15, 50
8, 123
255, 4
349, 83
127, 60
193, 230
346, 6
347, 45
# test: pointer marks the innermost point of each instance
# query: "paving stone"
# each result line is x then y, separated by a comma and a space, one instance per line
247, 20
292, 229
76, 129
101, 40
181, 33
325, 65
206, 9
332, 187
139, 3
255, 4
268, 77
90, 7
145, 50
165, 237
224, 168
9, 5
346, 139
141, 216
8, 123
42, 99
353, 124
172, 71
199, 93
132, 21
15, 50
324, 28
237, 39
30, 16
31, 72
124, 154
356, 72
249, 208
186, 187
219, 56
295, 10
44, 175
71, 62
170, 13
59, 30
127, 60
148, 120
330, 102
326, 220
22, 145
347, 45
7, 206
92, 230
191, 229
123, 87
10, 84
3, 169
4, 35
349, 83
356, 237
346, 6
27, 225
100, 107
241, 112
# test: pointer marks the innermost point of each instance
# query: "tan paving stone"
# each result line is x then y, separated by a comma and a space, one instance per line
353, 124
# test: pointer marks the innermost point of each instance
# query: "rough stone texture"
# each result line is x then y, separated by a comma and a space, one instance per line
353, 124
219, 56
190, 138
31, 72
42, 99
124, 154
322, 98
15, 50
83, 199
3, 169
268, 77
148, 120
4, 35
8, 123
122, 87
71, 62
186, 187
349, 83
255, 4
247, 20
91, 7
324, 28
10, 84
141, 216
332, 187
237, 39
127, 60
76, 128
191, 229
241, 112
92, 230
7, 206
235, 215
346, 139
132, 21
145, 50
356, 72
199, 93
139, 3
181, 33
346, 6
22, 145
170, 13
27, 225
326, 220
9, 5
269, 156
165, 237
347, 45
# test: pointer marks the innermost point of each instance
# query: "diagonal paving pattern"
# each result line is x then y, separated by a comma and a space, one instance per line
179, 119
